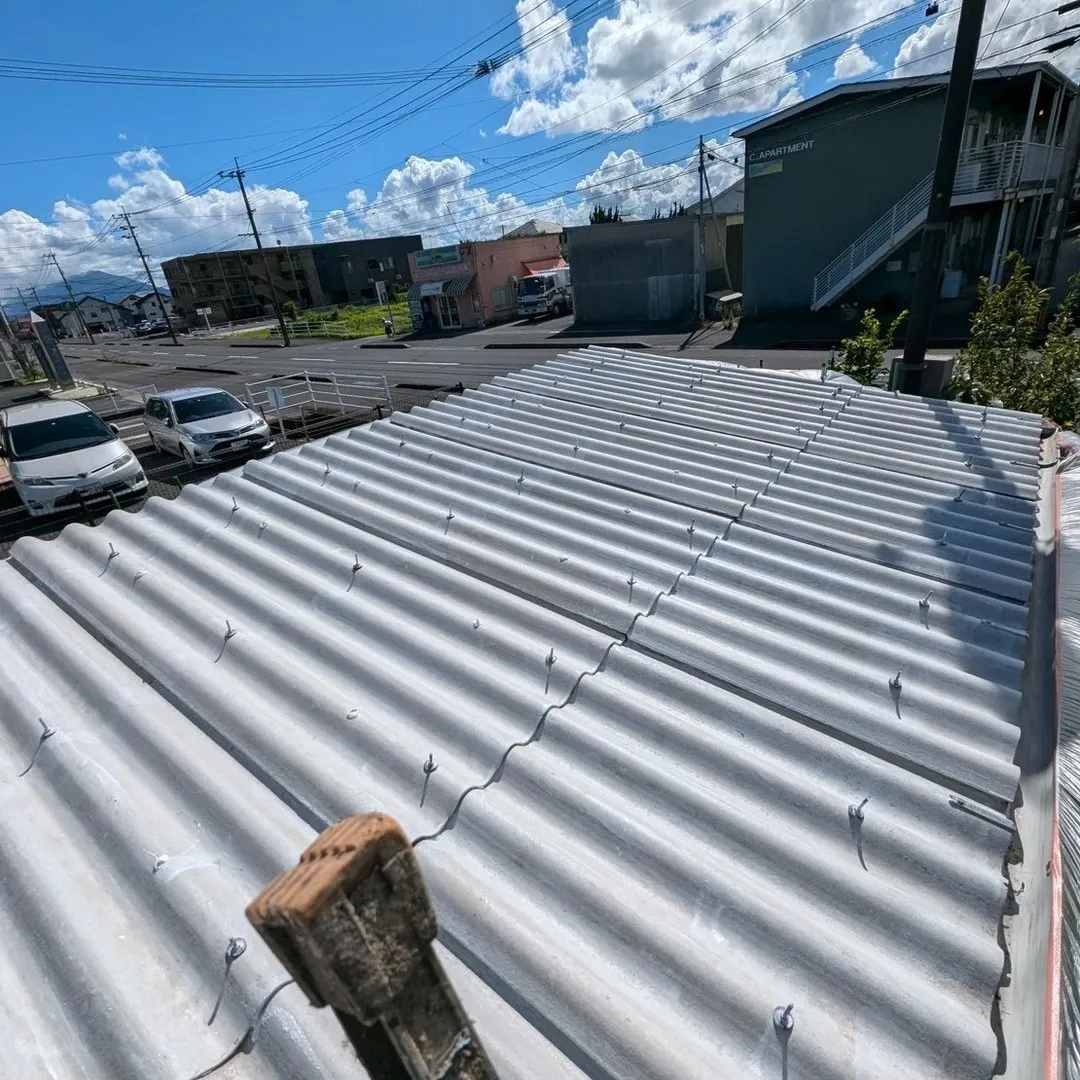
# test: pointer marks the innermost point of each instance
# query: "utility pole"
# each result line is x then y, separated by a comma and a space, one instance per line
1059, 208
129, 229
75, 306
46, 313
924, 292
237, 174
701, 227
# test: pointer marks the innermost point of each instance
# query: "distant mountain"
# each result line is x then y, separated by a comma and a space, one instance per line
93, 283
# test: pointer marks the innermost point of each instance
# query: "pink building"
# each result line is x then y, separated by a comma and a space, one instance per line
473, 284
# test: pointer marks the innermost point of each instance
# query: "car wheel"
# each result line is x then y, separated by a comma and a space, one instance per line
188, 456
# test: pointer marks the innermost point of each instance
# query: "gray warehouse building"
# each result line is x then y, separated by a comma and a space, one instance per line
635, 273
233, 284
838, 186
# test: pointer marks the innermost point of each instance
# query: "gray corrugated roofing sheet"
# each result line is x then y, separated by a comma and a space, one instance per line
651, 701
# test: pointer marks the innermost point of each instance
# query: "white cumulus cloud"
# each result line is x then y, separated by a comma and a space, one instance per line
665, 59
1012, 34
170, 221
853, 63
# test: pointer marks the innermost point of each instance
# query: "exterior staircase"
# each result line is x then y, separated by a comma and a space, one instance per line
984, 174
897, 225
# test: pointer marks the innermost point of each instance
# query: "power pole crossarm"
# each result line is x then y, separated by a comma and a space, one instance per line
924, 291
237, 174
129, 229
74, 304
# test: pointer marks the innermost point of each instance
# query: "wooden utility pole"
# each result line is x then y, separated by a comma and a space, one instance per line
129, 230
74, 304
237, 174
701, 227
924, 291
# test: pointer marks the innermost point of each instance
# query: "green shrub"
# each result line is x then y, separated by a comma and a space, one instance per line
861, 357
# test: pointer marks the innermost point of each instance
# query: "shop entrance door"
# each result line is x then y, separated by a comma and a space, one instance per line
449, 316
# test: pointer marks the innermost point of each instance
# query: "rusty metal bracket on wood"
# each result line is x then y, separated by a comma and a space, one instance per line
354, 925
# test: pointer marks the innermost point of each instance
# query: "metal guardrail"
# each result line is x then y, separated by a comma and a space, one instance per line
307, 328
123, 398
286, 394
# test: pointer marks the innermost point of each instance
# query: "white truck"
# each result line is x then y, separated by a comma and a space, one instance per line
544, 293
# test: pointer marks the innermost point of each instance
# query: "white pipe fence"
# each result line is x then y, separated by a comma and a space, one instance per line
293, 395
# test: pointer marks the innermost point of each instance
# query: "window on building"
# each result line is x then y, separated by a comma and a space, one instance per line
373, 264
389, 261
502, 298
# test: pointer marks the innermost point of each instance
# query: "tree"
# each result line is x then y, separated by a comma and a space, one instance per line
601, 215
288, 308
995, 364
863, 356
1002, 363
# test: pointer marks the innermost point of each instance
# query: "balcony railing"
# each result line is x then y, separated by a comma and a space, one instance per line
1007, 165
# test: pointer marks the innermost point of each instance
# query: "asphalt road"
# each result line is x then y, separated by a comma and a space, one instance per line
469, 359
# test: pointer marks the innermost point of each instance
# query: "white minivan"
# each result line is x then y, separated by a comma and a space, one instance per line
61, 455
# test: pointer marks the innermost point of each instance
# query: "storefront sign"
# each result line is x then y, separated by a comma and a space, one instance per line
431, 288
438, 256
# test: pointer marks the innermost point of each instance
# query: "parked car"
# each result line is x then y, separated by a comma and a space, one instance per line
203, 423
60, 454
144, 328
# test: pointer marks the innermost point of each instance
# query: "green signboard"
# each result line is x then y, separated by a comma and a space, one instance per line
438, 256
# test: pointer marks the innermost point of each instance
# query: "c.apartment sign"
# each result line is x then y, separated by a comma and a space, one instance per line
771, 159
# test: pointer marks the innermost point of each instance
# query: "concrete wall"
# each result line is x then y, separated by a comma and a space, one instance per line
859, 161
635, 273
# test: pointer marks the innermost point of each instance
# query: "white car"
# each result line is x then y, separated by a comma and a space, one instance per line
62, 455
203, 424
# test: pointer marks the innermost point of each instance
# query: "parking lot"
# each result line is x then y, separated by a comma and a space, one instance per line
167, 474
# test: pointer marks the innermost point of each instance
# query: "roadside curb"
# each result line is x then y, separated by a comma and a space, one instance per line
383, 345
210, 370
549, 343
256, 345
114, 360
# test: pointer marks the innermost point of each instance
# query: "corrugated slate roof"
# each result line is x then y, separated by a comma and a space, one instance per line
658, 623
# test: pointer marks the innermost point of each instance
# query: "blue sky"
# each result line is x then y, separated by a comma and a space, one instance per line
596, 100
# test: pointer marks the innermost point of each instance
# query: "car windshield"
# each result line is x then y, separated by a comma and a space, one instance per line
60, 435
534, 286
205, 407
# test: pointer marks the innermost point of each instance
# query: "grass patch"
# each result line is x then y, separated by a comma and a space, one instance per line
353, 321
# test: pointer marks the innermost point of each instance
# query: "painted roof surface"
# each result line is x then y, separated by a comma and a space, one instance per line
659, 624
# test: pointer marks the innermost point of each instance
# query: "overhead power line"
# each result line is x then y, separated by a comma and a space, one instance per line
48, 71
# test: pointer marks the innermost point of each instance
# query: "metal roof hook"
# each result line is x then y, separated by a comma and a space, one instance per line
855, 810
783, 1021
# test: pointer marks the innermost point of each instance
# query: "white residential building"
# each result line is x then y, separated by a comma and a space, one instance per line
97, 314
145, 306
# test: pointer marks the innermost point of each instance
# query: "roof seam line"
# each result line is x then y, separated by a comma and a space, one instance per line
442, 560
514, 456
920, 573
245, 760
537, 732
946, 783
